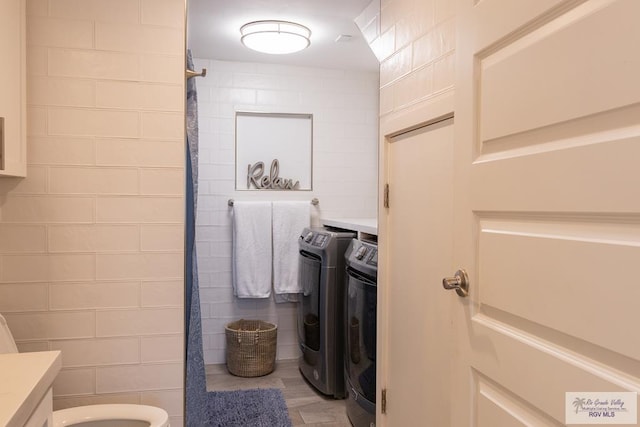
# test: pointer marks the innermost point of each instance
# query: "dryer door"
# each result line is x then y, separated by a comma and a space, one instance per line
360, 341
308, 313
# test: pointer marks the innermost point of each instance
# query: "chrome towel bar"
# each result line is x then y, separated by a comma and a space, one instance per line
314, 202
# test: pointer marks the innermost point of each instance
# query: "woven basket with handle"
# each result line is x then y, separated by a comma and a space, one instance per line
251, 347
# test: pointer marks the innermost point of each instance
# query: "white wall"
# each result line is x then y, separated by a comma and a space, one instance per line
415, 43
344, 105
91, 242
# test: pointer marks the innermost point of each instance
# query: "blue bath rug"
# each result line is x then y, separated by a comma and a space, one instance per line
264, 407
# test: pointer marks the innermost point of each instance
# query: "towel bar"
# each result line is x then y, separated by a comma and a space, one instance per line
314, 202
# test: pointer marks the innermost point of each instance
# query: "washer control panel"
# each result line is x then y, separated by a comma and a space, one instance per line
315, 238
373, 257
320, 240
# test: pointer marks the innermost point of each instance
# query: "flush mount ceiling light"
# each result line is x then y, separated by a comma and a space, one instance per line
275, 37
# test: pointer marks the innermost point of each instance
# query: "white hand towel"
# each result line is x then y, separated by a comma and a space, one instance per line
252, 249
289, 219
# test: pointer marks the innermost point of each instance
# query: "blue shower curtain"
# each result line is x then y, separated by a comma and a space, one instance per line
195, 387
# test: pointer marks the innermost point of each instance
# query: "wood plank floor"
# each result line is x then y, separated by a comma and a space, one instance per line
307, 407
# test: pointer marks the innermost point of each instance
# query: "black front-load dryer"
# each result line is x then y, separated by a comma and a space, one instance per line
360, 332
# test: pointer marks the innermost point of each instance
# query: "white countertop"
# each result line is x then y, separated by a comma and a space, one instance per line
364, 225
24, 380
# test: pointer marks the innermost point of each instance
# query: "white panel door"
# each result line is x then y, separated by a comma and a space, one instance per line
547, 206
415, 315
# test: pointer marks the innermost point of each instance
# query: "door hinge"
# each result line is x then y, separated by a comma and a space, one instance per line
383, 401
386, 196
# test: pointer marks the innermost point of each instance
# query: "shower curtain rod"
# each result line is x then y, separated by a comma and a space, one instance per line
190, 73
314, 202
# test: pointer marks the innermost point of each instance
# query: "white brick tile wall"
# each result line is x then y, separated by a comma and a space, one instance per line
344, 106
65, 151
161, 125
139, 152
152, 321
161, 237
170, 400
52, 325
93, 64
63, 402
91, 253
112, 94
112, 11
115, 379
37, 8
47, 210
415, 47
66, 180
78, 296
166, 13
37, 124
138, 266
37, 58
81, 122
61, 92
161, 293
92, 352
25, 347
137, 38
21, 297
158, 68
22, 238
139, 210
70, 382
88, 238
162, 349
71, 267
40, 268
60, 32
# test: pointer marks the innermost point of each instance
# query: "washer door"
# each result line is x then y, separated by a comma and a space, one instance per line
360, 336
308, 313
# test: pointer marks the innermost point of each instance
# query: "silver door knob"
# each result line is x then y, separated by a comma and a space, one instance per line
459, 282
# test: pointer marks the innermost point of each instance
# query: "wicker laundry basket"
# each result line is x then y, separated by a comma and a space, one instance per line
251, 347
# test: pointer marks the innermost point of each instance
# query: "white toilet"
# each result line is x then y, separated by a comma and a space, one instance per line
115, 415
111, 416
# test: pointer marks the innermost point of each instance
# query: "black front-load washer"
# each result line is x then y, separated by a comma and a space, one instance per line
360, 332
321, 308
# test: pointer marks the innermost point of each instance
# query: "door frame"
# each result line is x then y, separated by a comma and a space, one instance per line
422, 114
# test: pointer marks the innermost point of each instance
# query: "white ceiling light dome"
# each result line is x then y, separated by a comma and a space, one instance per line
275, 37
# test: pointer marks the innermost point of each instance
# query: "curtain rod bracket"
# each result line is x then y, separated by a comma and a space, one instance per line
190, 73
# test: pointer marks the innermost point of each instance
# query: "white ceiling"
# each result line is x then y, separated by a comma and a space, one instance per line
214, 31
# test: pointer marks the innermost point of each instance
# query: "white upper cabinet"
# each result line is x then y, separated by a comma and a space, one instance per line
13, 111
